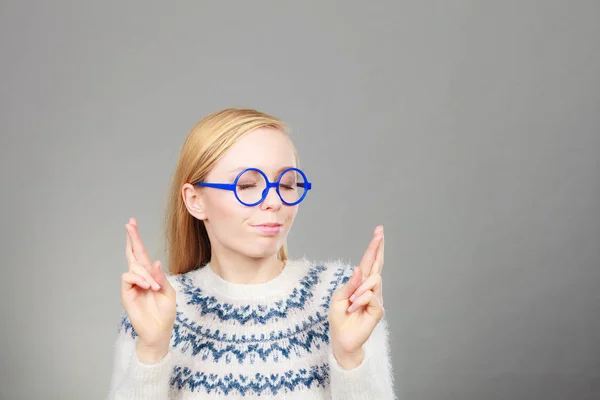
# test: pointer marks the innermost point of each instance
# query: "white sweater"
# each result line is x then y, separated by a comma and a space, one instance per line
268, 341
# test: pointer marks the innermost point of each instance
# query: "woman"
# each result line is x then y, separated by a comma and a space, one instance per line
235, 318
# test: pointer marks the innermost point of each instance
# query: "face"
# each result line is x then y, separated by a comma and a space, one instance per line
257, 231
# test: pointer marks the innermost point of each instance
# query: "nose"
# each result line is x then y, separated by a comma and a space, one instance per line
272, 201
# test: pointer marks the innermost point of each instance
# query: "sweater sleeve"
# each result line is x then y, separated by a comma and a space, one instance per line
131, 379
373, 378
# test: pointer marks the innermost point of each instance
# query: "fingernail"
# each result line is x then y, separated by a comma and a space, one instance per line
155, 286
351, 308
353, 297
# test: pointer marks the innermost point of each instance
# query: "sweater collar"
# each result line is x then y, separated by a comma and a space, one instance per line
282, 284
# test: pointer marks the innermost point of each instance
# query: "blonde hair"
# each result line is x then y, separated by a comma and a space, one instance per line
187, 246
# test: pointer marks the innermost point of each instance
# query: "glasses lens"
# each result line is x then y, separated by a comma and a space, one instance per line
250, 187
291, 186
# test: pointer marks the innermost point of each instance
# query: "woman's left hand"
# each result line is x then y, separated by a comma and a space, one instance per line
357, 307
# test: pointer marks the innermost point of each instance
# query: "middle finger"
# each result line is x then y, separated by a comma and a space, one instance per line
378, 263
138, 247
129, 250
366, 263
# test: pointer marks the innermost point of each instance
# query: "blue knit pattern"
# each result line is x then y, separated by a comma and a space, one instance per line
311, 335
260, 314
340, 277
316, 376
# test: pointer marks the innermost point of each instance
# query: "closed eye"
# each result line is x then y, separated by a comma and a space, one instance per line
246, 186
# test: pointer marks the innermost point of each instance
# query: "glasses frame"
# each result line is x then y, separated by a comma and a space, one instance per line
233, 186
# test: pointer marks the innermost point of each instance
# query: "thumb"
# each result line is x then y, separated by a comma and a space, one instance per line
351, 285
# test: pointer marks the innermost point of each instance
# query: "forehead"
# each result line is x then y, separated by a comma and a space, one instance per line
263, 148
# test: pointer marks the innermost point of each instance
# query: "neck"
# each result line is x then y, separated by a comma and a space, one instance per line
238, 268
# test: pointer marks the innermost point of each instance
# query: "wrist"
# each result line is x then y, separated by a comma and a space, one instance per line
151, 354
350, 360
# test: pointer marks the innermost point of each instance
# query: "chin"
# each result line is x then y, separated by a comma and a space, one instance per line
264, 251
261, 256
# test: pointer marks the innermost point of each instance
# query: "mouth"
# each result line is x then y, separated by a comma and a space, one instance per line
270, 224
269, 228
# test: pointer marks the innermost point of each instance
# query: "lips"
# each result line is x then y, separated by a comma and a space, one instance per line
269, 228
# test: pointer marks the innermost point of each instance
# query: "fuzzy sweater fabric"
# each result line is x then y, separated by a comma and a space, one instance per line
257, 341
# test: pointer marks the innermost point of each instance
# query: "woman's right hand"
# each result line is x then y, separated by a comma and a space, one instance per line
148, 299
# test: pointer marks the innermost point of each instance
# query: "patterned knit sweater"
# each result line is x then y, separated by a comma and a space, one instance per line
269, 341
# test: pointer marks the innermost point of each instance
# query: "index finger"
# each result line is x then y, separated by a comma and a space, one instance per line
129, 251
378, 263
139, 251
366, 263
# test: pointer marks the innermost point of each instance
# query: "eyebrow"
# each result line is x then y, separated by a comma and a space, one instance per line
240, 169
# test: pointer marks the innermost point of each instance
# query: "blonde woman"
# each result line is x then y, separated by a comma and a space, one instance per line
234, 317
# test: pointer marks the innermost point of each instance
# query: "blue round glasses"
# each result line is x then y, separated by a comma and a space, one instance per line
252, 185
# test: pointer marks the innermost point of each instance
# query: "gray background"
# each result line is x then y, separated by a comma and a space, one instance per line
470, 129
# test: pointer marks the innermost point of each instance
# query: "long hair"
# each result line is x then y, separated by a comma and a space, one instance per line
187, 244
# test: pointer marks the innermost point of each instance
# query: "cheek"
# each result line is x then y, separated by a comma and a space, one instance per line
223, 209
290, 214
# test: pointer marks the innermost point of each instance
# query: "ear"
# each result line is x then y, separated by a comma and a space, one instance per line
192, 197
